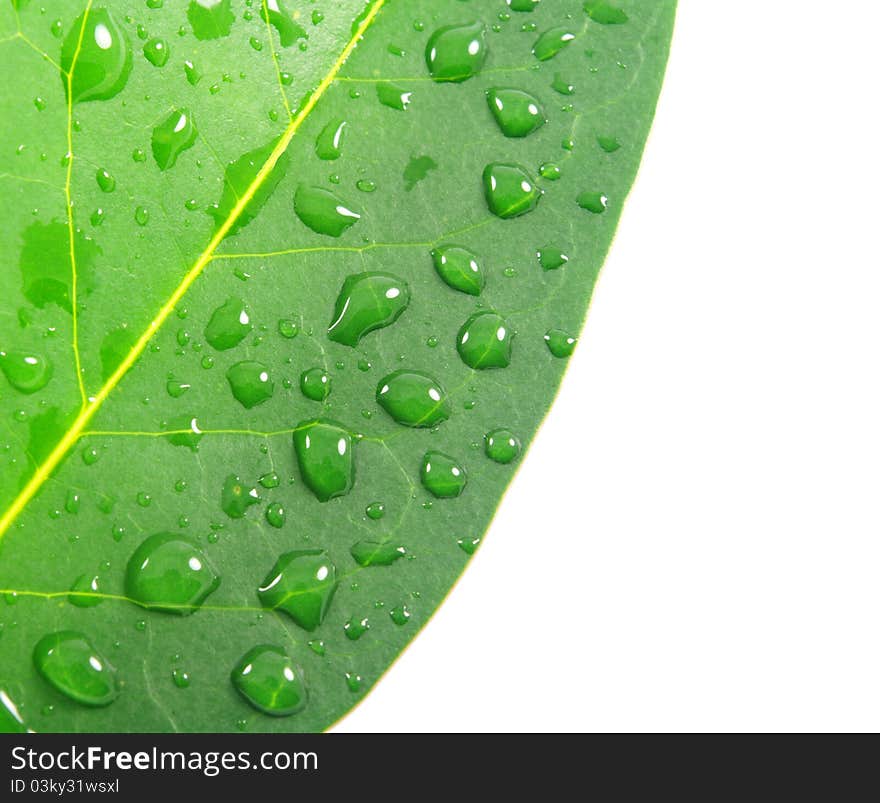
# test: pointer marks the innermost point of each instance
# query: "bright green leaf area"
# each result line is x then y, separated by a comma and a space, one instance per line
187, 191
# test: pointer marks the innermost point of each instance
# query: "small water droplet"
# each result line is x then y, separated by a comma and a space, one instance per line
375, 510
562, 85
456, 52
315, 384
469, 545
551, 42
400, 614
604, 13
250, 383
141, 216
26, 371
354, 628
276, 514
560, 343
156, 52
270, 681
328, 145
442, 475
413, 398
552, 257
301, 584
595, 202
84, 593
193, 76
180, 678
236, 497
393, 96
550, 171
70, 663
322, 211
288, 328
325, 453
377, 553
502, 446
367, 301
172, 137
105, 181
608, 144
230, 324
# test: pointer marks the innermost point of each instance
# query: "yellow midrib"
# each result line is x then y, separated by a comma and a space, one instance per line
71, 436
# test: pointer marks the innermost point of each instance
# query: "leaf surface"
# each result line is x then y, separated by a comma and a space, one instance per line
286, 292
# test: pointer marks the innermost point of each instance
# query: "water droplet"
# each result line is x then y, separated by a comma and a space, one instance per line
249, 382
193, 76
40, 103
562, 85
365, 185
459, 268
502, 446
138, 155
400, 614
176, 388
375, 511
270, 480
393, 96
552, 42
301, 584
485, 340
105, 181
156, 52
26, 371
457, 52
283, 20
354, 628
608, 144
170, 573
315, 384
550, 171
288, 328
551, 257
413, 398
523, 5
276, 515
141, 216
604, 13
367, 301
90, 456
469, 545
377, 553
210, 19
84, 591
256, 44
417, 168
236, 497
325, 453
102, 55
328, 145
180, 678
270, 681
322, 211
517, 113
230, 324
239, 176
69, 662
11, 720
172, 137
186, 431
594, 202
510, 190
354, 681
560, 343
442, 475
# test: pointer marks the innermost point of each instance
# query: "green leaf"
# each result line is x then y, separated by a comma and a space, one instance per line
285, 296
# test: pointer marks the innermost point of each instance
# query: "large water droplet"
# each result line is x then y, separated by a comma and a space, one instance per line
270, 681
442, 475
367, 301
561, 344
485, 340
510, 190
328, 145
517, 113
230, 324
459, 268
325, 453
502, 446
283, 20
315, 384
377, 553
236, 497
604, 13
249, 382
551, 42
457, 52
210, 19
26, 371
301, 584
322, 211
69, 662
168, 572
172, 137
100, 62
413, 398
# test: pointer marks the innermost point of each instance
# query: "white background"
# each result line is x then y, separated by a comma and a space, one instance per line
705, 549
